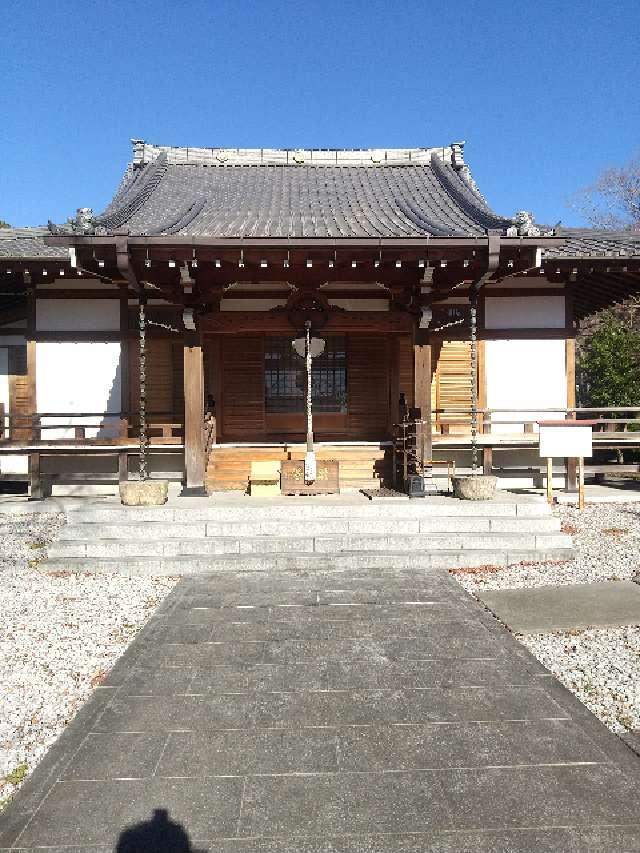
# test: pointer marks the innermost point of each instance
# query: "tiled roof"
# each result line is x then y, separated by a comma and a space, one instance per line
285, 193
21, 243
583, 243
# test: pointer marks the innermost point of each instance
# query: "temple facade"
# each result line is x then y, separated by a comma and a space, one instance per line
427, 301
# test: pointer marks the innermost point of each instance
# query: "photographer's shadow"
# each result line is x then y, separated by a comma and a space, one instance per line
158, 835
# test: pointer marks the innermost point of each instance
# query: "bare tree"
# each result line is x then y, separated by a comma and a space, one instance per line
612, 203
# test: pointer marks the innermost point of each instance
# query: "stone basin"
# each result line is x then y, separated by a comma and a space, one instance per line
144, 493
475, 487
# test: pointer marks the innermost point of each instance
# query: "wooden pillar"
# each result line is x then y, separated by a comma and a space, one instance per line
194, 461
570, 366
394, 382
31, 358
422, 369
125, 393
484, 423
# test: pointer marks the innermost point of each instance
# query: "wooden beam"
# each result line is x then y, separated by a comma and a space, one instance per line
521, 334
194, 461
77, 293
277, 322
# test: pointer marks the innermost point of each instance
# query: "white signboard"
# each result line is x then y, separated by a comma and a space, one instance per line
565, 439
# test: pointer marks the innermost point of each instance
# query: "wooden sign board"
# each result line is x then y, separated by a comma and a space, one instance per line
571, 439
327, 478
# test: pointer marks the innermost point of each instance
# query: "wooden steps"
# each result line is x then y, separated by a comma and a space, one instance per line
361, 467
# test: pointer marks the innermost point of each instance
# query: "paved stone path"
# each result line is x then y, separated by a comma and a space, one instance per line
344, 714
559, 608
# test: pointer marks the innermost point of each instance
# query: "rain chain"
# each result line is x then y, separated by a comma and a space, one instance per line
164, 326
143, 392
473, 310
447, 325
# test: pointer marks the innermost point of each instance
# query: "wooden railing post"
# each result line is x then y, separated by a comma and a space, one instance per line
35, 478
487, 460
123, 466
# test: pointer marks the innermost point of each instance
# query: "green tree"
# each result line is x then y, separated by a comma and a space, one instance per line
610, 365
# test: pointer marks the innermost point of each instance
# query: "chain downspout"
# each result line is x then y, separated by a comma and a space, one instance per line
473, 310
125, 268
143, 388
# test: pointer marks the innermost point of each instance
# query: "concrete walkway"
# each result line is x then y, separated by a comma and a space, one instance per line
344, 713
559, 608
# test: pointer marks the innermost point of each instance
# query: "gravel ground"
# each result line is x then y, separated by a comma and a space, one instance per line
60, 633
600, 665
607, 541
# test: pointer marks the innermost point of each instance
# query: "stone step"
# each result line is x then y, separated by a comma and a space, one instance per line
328, 544
254, 510
282, 528
304, 562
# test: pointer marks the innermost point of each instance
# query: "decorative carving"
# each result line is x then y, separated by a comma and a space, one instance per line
84, 220
312, 307
523, 225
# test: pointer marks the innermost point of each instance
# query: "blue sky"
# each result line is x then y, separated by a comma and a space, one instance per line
546, 94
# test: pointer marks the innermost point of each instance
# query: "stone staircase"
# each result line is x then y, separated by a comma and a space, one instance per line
307, 535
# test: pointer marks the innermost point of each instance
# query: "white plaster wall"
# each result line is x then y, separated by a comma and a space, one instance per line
525, 374
79, 377
532, 312
81, 315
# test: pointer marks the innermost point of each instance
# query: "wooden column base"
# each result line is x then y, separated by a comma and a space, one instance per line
193, 492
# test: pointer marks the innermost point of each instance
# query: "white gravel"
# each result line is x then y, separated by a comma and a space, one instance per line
60, 633
601, 666
607, 542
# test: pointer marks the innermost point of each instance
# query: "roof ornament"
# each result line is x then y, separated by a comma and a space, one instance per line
298, 156
138, 151
523, 225
457, 154
83, 221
